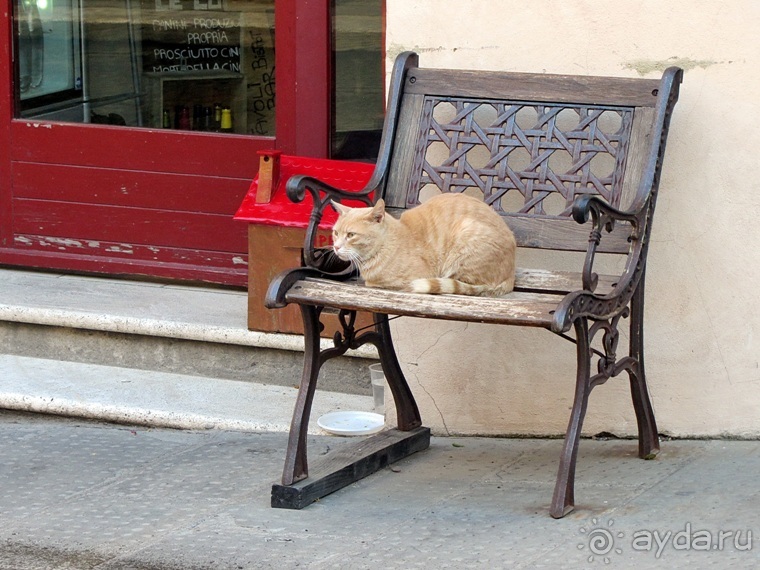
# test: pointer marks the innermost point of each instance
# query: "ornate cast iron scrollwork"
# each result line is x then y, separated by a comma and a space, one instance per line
608, 366
322, 194
586, 303
603, 218
349, 339
540, 151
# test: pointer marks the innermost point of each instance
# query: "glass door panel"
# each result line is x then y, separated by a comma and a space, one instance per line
202, 65
358, 101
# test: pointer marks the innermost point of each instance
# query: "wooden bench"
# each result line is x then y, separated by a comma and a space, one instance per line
572, 164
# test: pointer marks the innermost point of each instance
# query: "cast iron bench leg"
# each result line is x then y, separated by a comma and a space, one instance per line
296, 466
563, 501
408, 415
649, 443
351, 462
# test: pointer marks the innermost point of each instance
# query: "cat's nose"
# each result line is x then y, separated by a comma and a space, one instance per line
339, 251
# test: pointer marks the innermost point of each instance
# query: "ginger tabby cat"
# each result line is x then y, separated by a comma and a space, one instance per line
452, 243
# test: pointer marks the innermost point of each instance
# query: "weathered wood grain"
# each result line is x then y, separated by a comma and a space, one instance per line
405, 144
537, 293
534, 87
638, 152
560, 282
565, 234
559, 234
527, 309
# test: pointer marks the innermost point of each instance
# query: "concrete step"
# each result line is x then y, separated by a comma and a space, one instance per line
153, 349
156, 399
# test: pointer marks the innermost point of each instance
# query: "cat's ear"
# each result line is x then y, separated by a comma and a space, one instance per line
340, 208
378, 211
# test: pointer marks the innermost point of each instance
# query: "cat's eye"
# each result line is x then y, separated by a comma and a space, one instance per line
349, 235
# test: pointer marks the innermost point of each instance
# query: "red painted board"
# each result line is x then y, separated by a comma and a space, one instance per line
184, 152
179, 192
210, 267
131, 226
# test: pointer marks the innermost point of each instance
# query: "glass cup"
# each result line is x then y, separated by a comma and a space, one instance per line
378, 386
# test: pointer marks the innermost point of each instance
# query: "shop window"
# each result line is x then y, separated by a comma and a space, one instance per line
204, 65
358, 102
180, 64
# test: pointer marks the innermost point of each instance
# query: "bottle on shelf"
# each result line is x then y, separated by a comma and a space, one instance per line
197, 117
166, 121
226, 123
177, 114
217, 117
208, 119
184, 119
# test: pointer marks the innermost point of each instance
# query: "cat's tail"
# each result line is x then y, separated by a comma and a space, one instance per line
448, 286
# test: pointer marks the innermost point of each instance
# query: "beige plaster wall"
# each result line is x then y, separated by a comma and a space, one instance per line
703, 298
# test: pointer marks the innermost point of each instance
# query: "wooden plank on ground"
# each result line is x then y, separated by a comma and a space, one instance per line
348, 465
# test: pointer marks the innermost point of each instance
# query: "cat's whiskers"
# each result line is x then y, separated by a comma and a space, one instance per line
355, 259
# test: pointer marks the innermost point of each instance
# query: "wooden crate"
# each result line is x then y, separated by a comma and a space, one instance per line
272, 250
274, 247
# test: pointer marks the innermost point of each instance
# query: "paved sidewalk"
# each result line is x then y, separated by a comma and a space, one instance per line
85, 495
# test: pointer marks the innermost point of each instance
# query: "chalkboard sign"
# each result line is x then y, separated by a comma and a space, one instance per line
187, 36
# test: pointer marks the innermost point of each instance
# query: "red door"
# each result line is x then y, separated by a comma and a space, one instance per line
151, 201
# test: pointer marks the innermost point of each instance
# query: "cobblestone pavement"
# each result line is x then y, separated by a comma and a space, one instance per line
86, 495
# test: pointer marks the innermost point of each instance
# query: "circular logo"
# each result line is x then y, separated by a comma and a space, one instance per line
600, 541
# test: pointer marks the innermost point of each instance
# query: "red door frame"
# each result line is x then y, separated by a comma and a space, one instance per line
303, 103
153, 202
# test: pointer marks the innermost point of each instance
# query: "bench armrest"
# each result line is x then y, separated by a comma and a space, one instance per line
281, 284
585, 206
587, 303
322, 194
603, 218
298, 185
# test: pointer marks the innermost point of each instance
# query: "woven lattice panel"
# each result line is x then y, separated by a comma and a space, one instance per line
521, 158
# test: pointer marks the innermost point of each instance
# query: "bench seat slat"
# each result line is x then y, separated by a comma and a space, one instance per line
537, 292
560, 282
526, 309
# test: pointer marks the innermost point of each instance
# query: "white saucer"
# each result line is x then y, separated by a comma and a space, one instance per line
351, 423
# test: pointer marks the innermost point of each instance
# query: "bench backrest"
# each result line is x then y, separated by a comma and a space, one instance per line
527, 144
